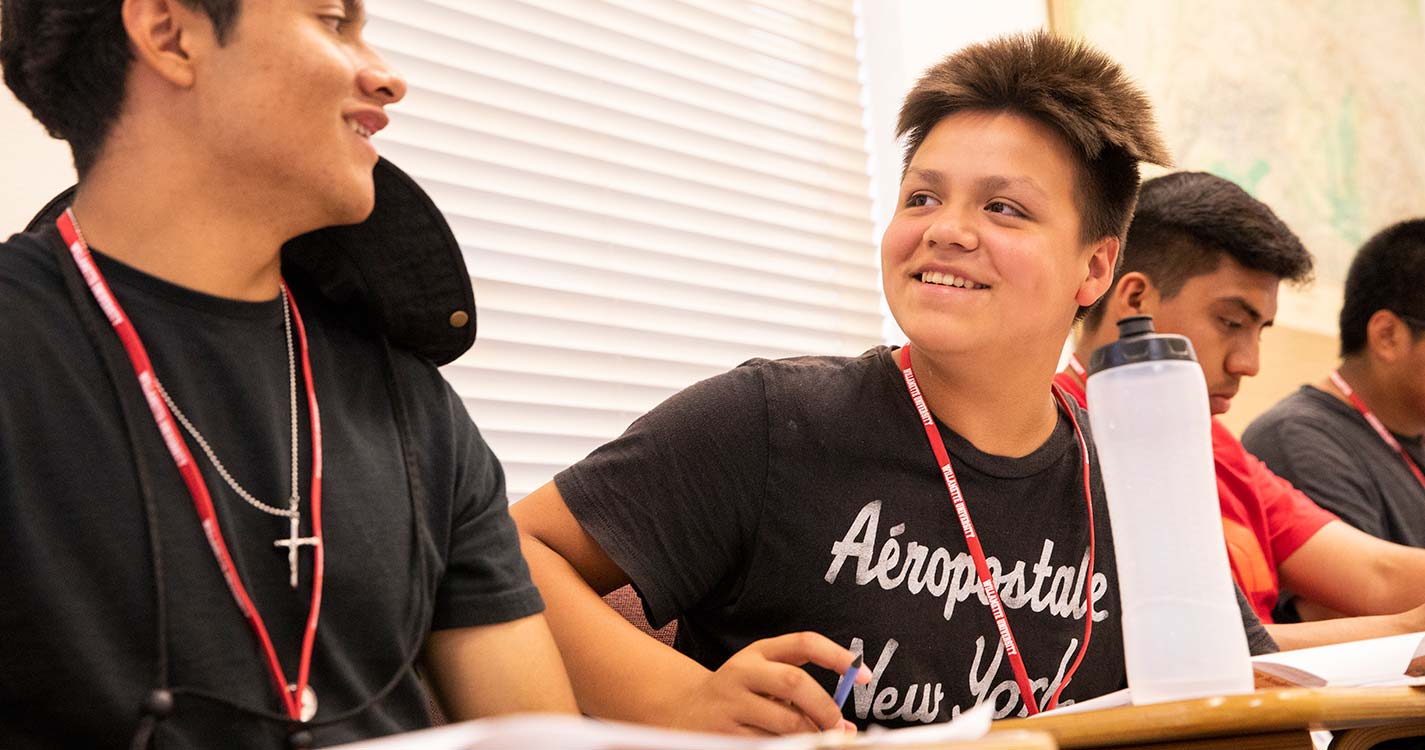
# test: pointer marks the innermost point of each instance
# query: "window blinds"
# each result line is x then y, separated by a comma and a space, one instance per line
647, 192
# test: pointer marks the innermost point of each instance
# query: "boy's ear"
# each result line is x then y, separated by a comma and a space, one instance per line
165, 35
1102, 260
1130, 296
1134, 295
1387, 336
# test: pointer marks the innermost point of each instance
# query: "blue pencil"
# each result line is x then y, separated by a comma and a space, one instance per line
843, 686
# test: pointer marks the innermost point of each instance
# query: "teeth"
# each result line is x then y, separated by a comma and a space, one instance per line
949, 279
358, 128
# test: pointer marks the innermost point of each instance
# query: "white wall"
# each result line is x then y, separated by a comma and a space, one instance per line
33, 166
900, 39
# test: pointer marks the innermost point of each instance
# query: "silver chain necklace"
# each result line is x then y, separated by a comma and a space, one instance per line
292, 512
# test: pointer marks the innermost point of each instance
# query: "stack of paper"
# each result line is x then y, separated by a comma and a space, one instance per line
1375, 662
579, 733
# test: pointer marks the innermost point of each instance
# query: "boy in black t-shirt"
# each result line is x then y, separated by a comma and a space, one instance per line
237, 500
793, 512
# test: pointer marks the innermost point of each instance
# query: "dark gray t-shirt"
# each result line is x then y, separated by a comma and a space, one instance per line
802, 494
1327, 450
78, 642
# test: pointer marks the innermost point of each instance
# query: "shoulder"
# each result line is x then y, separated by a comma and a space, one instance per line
1227, 450
28, 271
366, 369
34, 304
1305, 404
778, 384
1306, 415
816, 381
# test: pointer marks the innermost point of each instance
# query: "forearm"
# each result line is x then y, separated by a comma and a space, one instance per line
1400, 581
617, 670
1342, 569
1290, 636
489, 670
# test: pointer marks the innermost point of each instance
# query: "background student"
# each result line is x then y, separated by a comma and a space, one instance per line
1205, 259
1352, 441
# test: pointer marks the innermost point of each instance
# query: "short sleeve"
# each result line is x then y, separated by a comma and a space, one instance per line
676, 499
1318, 465
486, 580
1292, 518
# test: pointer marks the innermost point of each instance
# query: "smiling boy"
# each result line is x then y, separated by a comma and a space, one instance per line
795, 511
237, 503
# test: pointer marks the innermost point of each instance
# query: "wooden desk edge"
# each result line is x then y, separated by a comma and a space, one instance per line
1234, 715
1011, 739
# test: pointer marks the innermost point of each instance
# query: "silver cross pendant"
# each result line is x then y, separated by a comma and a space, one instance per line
292, 543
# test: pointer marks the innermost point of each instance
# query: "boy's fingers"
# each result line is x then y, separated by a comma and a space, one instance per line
792, 684
806, 647
765, 715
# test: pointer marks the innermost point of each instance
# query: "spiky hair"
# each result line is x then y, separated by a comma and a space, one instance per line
1078, 91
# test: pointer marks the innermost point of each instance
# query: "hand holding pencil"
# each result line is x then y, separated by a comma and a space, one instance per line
762, 689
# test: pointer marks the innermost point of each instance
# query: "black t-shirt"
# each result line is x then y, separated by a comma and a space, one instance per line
802, 494
1325, 448
78, 645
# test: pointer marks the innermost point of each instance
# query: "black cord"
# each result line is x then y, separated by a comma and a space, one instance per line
84, 306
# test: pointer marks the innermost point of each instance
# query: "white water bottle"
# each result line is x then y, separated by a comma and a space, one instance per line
1182, 628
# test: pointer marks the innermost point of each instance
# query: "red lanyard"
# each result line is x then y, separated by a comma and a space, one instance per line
987, 584
1079, 372
202, 501
1376, 424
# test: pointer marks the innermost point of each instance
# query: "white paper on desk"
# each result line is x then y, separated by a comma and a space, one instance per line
1372, 662
528, 731
970, 725
1111, 700
1375, 662
579, 733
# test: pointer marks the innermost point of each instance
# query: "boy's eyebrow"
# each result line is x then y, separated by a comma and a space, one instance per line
996, 183
355, 9
932, 176
1246, 308
988, 184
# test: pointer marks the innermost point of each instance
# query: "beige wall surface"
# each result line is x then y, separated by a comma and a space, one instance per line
1315, 108
35, 166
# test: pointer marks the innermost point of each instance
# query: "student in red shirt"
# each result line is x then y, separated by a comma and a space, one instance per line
1205, 259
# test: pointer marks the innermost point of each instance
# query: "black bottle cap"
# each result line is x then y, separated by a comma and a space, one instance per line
158, 704
299, 739
1137, 342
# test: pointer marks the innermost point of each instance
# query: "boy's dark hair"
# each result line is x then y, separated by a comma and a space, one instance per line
68, 62
1075, 89
1387, 274
1186, 222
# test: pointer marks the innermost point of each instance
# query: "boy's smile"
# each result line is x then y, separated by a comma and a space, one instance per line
984, 248
292, 99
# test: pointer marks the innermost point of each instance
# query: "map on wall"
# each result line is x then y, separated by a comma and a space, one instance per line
1316, 108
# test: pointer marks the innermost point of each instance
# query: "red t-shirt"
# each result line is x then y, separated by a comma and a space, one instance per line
1264, 518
